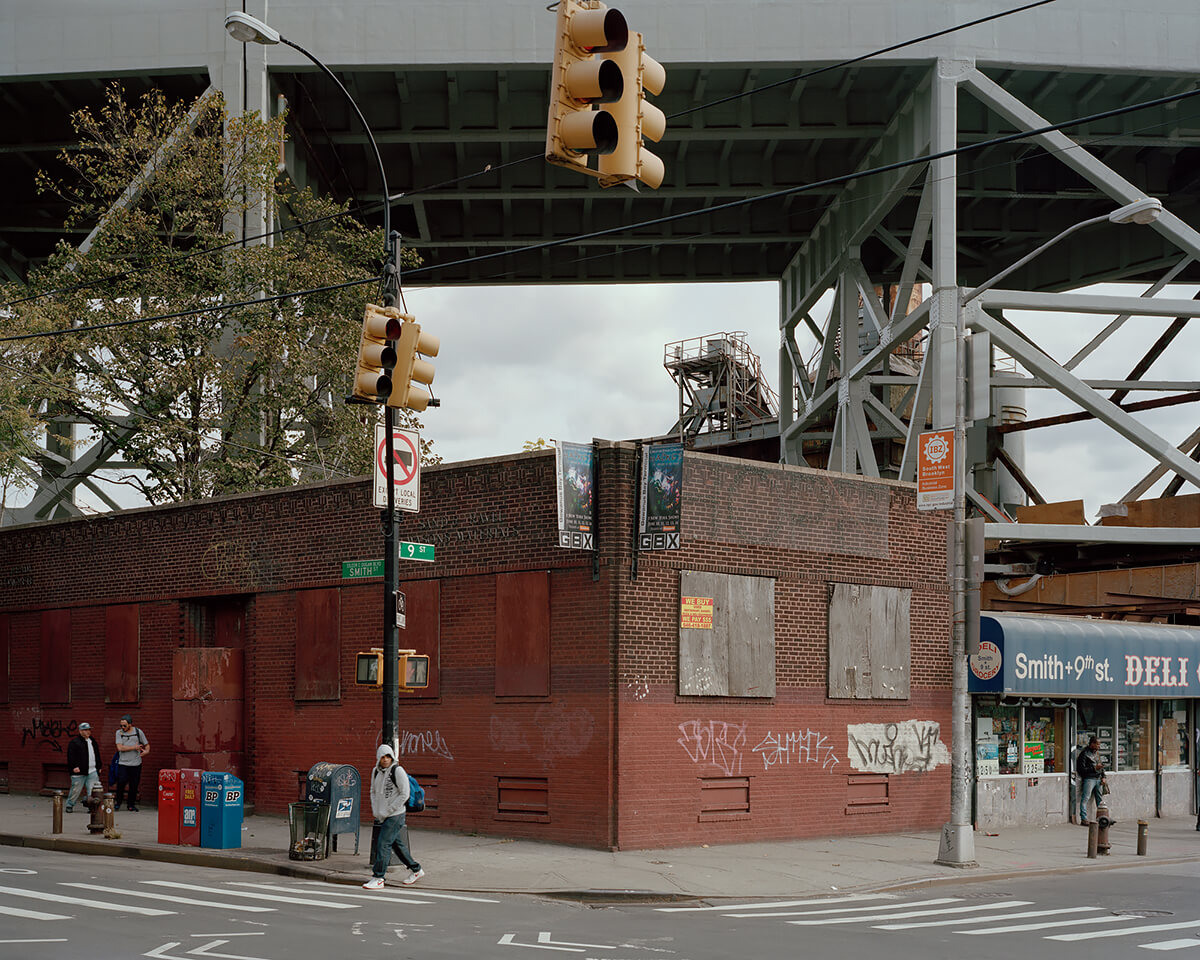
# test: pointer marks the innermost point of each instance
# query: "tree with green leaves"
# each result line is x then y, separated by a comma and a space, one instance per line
205, 363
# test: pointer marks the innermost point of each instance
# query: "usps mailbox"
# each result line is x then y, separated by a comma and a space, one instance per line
223, 802
168, 806
189, 807
340, 786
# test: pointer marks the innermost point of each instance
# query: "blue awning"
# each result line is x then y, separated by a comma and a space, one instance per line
1074, 656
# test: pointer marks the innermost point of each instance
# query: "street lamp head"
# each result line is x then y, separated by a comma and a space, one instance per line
248, 29
1141, 211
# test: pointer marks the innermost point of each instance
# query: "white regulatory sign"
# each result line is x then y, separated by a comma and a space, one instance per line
406, 452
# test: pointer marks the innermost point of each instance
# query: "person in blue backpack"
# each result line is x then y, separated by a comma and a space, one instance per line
389, 796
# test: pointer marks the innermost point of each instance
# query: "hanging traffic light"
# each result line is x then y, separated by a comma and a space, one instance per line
579, 80
410, 367
376, 356
635, 118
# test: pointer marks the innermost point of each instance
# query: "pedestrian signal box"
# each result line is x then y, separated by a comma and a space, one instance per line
414, 669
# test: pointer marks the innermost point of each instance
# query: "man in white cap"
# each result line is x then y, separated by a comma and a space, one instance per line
389, 793
83, 760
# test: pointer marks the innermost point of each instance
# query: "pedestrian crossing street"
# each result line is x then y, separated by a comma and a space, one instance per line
164, 898
969, 917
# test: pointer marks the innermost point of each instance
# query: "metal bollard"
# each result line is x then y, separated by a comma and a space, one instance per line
57, 806
1093, 839
1143, 837
1103, 822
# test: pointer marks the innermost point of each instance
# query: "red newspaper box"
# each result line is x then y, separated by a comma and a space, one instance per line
168, 806
189, 807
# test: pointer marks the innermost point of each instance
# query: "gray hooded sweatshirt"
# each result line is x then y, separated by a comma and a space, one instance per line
389, 786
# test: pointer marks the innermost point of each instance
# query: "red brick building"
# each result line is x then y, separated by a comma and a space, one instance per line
808, 696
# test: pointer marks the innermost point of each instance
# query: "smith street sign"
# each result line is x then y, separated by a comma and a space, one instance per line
358, 569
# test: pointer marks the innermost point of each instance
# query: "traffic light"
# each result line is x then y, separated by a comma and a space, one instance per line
376, 356
410, 367
574, 129
635, 118
413, 673
414, 670
368, 668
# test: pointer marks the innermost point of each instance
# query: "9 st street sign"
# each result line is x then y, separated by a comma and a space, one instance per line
406, 454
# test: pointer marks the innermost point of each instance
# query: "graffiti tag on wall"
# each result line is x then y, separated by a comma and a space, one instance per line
909, 746
801, 746
716, 742
424, 741
47, 733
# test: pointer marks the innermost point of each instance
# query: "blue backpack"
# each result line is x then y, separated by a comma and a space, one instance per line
416, 793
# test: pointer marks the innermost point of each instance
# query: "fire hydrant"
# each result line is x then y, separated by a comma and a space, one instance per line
96, 806
1103, 822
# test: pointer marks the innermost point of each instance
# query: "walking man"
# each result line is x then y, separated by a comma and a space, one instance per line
389, 793
132, 745
1091, 776
83, 760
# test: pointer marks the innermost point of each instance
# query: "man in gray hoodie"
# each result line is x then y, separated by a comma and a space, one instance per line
389, 793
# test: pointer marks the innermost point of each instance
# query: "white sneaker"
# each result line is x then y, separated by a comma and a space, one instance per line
375, 883
414, 877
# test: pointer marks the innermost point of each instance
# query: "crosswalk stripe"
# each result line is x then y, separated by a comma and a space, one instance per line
1048, 925
421, 892
1154, 927
146, 894
274, 898
873, 906
900, 916
1008, 916
1171, 944
94, 904
31, 914
385, 897
853, 898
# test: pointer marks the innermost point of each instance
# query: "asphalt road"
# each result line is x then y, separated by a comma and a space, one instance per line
59, 906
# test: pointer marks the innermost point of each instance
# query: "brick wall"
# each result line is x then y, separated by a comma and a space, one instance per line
615, 756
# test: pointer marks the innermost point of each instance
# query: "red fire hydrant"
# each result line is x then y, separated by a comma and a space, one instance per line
1103, 822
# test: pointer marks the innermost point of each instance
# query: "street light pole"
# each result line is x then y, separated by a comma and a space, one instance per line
248, 29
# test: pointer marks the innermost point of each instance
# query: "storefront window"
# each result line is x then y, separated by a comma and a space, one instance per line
1134, 735
1006, 737
1045, 733
1095, 718
1173, 736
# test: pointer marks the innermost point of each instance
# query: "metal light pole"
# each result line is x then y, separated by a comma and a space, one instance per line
248, 29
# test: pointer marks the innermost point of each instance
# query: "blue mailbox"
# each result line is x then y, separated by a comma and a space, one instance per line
222, 799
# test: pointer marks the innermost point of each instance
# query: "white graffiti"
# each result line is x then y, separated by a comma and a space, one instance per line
639, 688
424, 741
507, 735
802, 746
909, 746
564, 731
716, 742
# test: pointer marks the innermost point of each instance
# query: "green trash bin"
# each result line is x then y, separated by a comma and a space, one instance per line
309, 821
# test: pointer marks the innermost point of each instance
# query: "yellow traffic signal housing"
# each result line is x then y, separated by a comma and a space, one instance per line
635, 117
579, 80
376, 356
410, 367
368, 669
413, 672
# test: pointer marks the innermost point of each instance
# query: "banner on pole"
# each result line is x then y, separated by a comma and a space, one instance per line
575, 473
935, 470
661, 497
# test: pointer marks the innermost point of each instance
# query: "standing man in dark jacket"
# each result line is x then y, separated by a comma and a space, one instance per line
1091, 776
83, 760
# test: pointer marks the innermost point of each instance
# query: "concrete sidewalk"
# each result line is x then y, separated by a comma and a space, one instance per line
458, 862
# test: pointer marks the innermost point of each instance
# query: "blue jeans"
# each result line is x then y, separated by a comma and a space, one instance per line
1090, 786
81, 783
393, 837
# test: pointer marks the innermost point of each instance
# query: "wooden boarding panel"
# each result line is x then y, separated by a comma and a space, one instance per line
122, 645
318, 644
523, 634
54, 672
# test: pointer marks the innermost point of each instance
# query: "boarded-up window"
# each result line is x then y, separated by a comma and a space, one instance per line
4, 646
868, 641
121, 653
422, 630
523, 798
318, 644
54, 673
523, 634
726, 635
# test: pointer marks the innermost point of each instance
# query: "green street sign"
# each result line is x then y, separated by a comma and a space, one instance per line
416, 551
358, 569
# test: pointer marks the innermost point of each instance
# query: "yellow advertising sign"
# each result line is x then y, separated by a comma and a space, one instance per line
696, 613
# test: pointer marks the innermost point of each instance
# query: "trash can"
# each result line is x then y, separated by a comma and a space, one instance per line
222, 806
189, 806
309, 821
339, 786
168, 806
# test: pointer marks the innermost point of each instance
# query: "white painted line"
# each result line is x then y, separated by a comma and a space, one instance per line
899, 916
1171, 944
873, 906
207, 951
126, 892
1008, 916
56, 940
31, 914
423, 893
253, 896
213, 936
544, 937
95, 904
507, 941
1048, 925
1154, 927
853, 898
376, 896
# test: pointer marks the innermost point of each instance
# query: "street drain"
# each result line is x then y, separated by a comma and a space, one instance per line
1144, 914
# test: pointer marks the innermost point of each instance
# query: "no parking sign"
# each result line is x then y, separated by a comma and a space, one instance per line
406, 447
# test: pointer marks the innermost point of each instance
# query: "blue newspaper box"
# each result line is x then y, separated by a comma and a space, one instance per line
222, 799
